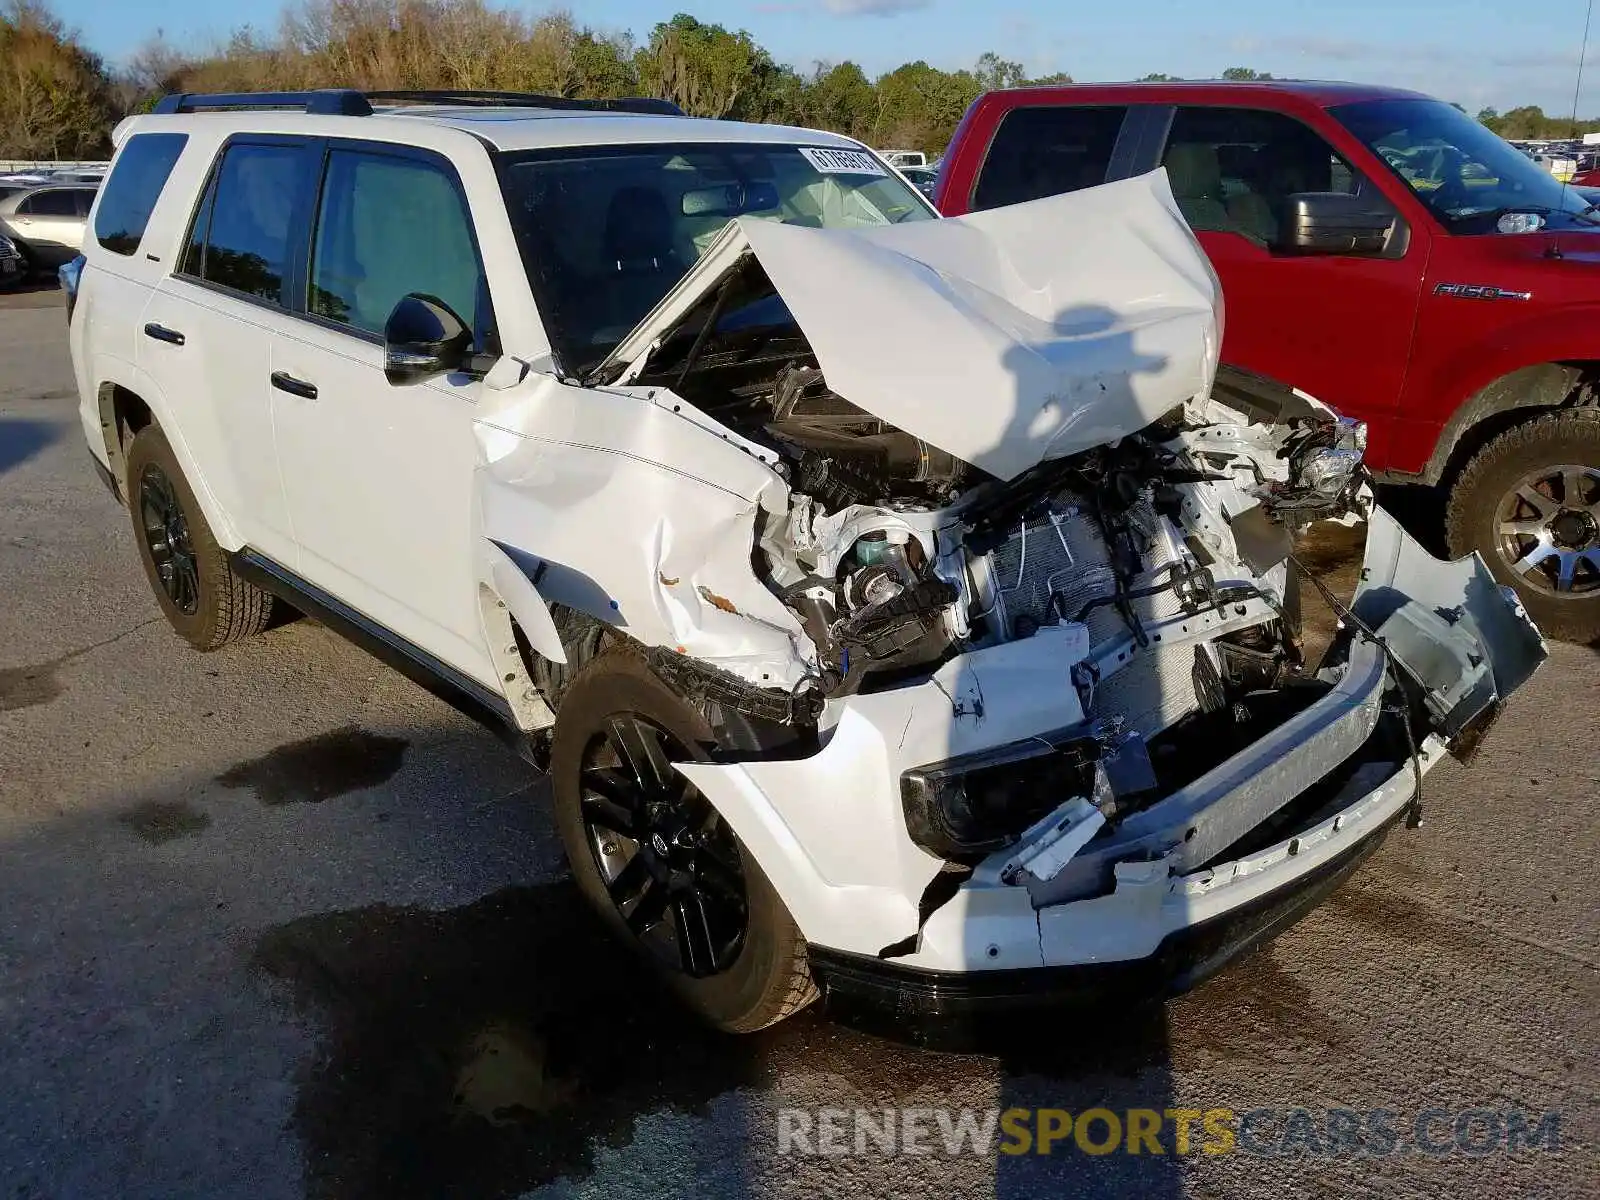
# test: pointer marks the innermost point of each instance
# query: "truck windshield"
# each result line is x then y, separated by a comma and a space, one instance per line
1466, 174
606, 231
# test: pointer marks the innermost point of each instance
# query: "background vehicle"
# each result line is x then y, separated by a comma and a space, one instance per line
1367, 243
46, 223
11, 265
925, 178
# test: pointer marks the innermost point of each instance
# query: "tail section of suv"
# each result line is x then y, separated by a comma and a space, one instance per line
1384, 252
901, 607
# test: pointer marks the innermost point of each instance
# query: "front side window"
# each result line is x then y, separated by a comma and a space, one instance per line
1467, 175
134, 187
388, 226
1232, 169
243, 229
1047, 149
60, 203
605, 232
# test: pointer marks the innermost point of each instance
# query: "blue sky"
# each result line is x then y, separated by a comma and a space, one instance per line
1475, 52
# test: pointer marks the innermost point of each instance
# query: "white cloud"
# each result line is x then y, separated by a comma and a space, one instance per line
873, 8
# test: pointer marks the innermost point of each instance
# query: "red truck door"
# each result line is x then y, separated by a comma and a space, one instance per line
1336, 326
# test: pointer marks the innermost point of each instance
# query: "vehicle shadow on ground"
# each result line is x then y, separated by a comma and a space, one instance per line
21, 439
493, 1048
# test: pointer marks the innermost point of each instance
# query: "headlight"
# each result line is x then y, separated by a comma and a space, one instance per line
1326, 471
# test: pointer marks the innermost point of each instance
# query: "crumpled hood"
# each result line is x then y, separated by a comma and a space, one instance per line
1004, 337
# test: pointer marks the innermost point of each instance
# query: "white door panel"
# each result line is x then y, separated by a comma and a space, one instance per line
216, 384
379, 480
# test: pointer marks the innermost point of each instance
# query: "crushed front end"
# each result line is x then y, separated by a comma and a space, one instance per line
1068, 738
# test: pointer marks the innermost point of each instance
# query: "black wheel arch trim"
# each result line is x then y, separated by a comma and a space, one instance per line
1517, 395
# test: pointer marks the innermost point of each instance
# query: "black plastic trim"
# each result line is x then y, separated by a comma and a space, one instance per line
106, 477
460, 691
870, 991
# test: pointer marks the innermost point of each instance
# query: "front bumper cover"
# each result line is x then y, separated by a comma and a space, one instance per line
1149, 906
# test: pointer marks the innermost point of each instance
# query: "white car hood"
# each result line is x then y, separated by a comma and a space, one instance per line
1004, 337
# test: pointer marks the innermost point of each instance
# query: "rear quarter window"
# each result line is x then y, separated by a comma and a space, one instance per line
1043, 150
134, 187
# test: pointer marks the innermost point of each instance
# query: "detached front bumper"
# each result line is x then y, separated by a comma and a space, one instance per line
1172, 892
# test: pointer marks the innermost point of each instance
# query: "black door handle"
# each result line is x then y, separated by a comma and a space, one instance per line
295, 387
162, 334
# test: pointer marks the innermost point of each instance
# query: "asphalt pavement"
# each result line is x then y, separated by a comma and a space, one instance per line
276, 923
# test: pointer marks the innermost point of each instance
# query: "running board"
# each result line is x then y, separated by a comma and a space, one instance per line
463, 693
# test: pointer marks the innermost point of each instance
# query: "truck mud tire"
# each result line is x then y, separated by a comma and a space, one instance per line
202, 598
1529, 502
658, 863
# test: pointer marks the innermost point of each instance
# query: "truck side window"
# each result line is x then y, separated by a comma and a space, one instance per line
388, 226
1046, 149
1232, 168
242, 236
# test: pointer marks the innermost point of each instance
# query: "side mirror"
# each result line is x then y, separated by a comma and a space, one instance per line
423, 338
1337, 223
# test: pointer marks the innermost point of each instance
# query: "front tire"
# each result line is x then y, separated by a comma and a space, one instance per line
1529, 503
657, 862
202, 599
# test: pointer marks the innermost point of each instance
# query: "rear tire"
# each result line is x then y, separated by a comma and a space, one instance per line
677, 858
1529, 503
202, 599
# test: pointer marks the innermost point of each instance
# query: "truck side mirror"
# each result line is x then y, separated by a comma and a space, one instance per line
1337, 223
422, 338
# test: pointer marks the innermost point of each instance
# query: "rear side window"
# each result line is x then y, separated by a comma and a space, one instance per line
389, 226
244, 229
50, 204
135, 185
1044, 150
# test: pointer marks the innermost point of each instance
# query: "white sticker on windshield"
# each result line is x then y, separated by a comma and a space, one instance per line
843, 162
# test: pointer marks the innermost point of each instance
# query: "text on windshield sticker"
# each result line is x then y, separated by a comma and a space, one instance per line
842, 162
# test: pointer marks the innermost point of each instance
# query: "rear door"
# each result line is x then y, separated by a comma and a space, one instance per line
379, 477
1044, 150
1336, 326
206, 333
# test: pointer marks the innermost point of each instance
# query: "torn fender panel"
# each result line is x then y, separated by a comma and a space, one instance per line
580, 496
1002, 337
860, 892
517, 592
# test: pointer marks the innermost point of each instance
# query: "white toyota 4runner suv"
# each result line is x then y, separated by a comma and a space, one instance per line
903, 608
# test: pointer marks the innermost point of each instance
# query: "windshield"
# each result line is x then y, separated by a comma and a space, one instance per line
1466, 174
605, 232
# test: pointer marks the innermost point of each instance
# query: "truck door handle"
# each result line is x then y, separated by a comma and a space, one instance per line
285, 382
162, 334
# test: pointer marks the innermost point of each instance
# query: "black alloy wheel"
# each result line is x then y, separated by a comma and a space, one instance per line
166, 534
668, 861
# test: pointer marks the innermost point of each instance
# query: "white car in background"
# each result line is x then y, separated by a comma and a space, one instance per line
46, 222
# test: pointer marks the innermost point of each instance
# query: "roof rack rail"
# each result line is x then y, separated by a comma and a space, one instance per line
627, 104
336, 102
349, 102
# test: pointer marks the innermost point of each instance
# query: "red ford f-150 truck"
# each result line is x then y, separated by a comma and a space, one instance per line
1383, 252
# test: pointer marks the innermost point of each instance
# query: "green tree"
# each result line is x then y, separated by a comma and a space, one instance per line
1489, 117
705, 69
56, 98
1245, 74
605, 65
840, 98
1158, 77
1053, 77
994, 72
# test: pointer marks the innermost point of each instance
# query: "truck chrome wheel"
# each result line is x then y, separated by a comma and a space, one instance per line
1548, 529
669, 862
